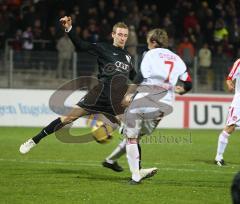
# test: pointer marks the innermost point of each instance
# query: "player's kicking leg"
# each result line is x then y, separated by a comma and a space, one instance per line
55, 125
222, 144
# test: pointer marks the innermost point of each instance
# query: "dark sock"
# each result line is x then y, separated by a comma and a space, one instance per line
52, 127
140, 155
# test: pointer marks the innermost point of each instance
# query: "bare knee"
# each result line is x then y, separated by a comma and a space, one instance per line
229, 129
67, 119
74, 114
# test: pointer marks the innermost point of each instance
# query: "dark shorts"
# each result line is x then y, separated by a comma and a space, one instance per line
99, 100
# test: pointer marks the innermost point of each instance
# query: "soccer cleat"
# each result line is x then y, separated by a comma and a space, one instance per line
220, 162
132, 182
144, 173
114, 166
147, 173
27, 146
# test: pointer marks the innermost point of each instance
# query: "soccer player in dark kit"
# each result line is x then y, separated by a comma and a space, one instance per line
115, 67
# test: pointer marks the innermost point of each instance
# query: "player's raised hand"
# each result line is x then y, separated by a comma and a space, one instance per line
230, 85
66, 22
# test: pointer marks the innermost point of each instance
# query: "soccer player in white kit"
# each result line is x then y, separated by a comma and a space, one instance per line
233, 117
161, 69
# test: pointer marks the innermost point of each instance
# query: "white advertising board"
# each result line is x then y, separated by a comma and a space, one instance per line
20, 107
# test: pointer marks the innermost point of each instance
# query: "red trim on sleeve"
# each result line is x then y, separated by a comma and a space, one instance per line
229, 78
233, 70
189, 77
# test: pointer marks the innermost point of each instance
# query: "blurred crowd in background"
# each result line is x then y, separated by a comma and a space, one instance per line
195, 22
208, 29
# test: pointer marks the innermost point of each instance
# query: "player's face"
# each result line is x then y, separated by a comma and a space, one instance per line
120, 37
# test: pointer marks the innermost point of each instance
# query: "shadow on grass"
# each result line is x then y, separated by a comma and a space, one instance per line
193, 183
87, 174
211, 162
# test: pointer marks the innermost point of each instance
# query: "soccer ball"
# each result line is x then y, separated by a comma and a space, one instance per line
102, 132
101, 129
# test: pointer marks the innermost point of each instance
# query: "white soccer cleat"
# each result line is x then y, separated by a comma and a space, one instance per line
27, 146
147, 173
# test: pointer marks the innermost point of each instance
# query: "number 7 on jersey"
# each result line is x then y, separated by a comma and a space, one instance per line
171, 64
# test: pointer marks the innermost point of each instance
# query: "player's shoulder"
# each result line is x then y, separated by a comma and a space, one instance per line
237, 61
103, 45
235, 66
110, 47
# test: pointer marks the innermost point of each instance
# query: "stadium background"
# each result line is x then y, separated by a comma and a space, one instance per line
31, 42
30, 32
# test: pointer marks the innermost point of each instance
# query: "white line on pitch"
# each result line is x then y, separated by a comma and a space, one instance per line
94, 164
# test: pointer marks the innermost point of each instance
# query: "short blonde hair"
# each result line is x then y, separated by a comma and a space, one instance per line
119, 25
158, 35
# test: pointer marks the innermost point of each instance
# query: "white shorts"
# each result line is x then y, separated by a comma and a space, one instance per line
136, 126
233, 117
143, 115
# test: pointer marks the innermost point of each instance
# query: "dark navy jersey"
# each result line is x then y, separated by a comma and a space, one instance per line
111, 60
115, 69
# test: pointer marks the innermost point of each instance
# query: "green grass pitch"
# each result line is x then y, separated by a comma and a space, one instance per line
55, 172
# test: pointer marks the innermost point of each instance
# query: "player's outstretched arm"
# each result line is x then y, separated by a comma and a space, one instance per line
66, 23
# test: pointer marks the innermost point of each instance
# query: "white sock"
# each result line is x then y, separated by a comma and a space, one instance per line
222, 144
133, 160
117, 152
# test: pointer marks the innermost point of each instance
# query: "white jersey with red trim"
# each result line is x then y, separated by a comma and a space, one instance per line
235, 75
162, 67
